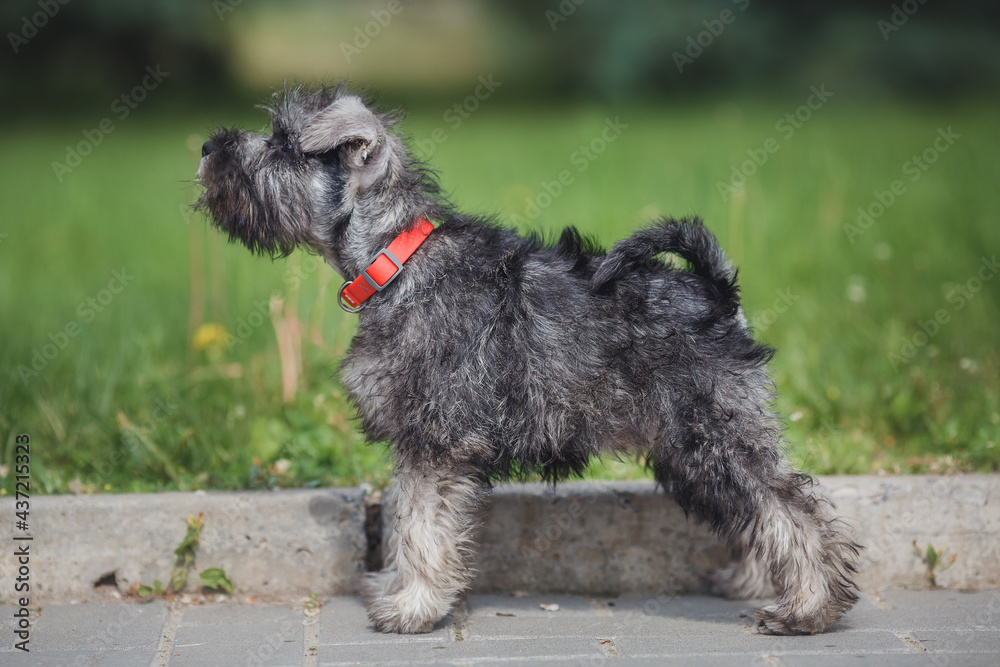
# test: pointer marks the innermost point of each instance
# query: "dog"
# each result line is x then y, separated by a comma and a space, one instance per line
481, 354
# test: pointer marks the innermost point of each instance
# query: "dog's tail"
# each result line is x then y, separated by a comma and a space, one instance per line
689, 239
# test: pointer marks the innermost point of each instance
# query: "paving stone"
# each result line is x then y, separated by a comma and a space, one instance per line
229, 614
636, 616
925, 610
888, 660
7, 620
698, 630
528, 606
958, 641
127, 658
506, 617
743, 642
550, 662
738, 660
344, 621
222, 635
536, 628
445, 652
99, 626
694, 614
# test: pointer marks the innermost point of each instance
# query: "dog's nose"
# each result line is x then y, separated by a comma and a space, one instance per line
207, 147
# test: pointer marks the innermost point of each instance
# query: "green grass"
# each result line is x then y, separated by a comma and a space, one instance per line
130, 405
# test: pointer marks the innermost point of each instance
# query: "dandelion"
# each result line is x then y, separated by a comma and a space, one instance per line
210, 337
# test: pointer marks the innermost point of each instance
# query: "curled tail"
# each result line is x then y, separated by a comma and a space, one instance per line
689, 239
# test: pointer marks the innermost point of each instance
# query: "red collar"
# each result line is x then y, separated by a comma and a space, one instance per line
388, 264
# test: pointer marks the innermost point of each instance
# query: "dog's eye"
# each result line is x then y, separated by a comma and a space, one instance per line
283, 143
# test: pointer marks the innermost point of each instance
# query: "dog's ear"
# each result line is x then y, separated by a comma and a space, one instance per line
348, 124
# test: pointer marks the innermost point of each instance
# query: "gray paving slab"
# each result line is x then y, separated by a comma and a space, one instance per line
935, 609
694, 614
7, 620
99, 626
885, 660
743, 642
639, 617
230, 614
105, 658
505, 617
528, 606
604, 623
222, 635
344, 621
699, 661
548, 662
959, 641
467, 650
899, 627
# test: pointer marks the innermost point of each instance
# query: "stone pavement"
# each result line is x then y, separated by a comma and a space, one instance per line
941, 627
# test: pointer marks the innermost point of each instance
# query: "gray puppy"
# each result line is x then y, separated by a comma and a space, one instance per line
491, 355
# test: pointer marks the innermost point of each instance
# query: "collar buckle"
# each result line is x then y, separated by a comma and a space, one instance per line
392, 258
386, 266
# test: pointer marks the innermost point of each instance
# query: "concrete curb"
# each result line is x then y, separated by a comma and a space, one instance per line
596, 538
278, 545
627, 538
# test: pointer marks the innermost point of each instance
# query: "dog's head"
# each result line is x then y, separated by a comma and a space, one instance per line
298, 183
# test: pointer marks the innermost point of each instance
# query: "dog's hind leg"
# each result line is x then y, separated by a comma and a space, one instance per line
724, 465
746, 578
433, 515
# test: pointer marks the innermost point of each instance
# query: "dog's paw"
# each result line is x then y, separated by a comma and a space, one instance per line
777, 619
771, 622
395, 614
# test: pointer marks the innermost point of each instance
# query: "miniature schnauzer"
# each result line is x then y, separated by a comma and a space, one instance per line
481, 355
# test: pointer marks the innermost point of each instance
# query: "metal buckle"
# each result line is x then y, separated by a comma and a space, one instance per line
371, 281
392, 258
344, 306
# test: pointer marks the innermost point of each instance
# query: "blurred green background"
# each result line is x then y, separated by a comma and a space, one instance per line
845, 155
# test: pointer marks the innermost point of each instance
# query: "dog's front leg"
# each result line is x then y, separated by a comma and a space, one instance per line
433, 512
